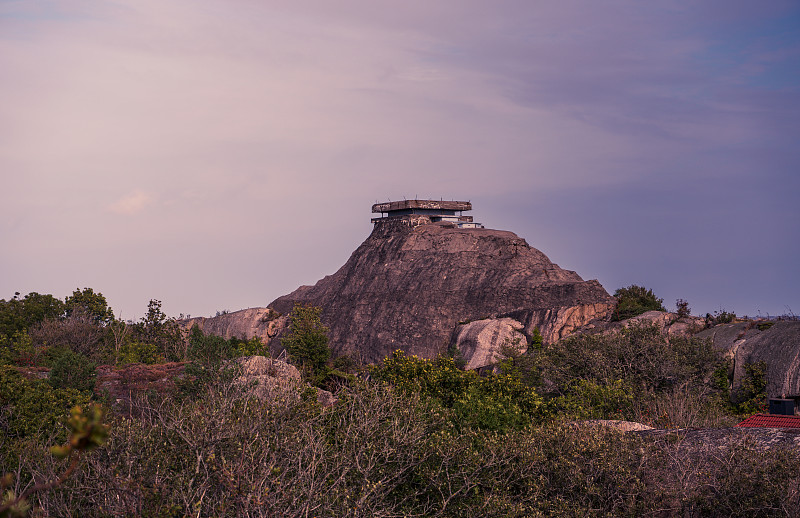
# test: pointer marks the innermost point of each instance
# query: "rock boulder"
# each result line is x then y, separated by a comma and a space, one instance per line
264, 323
481, 342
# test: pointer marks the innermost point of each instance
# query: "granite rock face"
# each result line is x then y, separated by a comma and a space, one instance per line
410, 283
266, 378
264, 323
670, 324
481, 342
775, 343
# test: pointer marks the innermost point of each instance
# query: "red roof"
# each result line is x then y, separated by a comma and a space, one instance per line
771, 421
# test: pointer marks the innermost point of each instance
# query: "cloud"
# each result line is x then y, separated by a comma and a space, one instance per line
131, 203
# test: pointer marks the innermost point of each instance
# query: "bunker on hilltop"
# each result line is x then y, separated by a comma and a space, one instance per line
425, 270
420, 212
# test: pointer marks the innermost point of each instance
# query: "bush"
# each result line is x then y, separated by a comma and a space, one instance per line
493, 402
381, 452
34, 407
586, 399
720, 317
737, 479
133, 351
208, 350
307, 342
751, 395
20, 350
635, 300
19, 314
163, 332
72, 370
78, 332
580, 370
682, 308
252, 347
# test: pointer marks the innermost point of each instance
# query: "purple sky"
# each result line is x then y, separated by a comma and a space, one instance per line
217, 154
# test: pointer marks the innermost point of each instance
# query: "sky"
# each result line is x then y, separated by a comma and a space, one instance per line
216, 154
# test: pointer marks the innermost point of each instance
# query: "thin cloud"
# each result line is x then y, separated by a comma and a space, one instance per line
131, 203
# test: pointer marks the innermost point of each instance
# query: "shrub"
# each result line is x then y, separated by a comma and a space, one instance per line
493, 402
78, 332
72, 370
163, 332
720, 317
208, 350
252, 347
763, 326
635, 300
682, 308
751, 395
737, 479
19, 314
133, 351
20, 350
586, 399
307, 342
381, 452
34, 406
649, 363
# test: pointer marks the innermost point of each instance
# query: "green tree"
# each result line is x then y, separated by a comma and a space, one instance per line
72, 370
163, 332
251, 347
683, 309
93, 304
208, 350
18, 314
307, 341
635, 300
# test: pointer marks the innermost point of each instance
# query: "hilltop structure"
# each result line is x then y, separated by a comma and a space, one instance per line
421, 212
428, 279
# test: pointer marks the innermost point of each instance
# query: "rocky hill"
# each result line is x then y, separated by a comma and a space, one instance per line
412, 282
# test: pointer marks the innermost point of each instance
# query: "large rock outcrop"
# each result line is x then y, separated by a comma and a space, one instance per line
775, 343
410, 283
264, 323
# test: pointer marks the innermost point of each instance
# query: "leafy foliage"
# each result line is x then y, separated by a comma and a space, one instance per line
682, 308
381, 452
33, 406
609, 372
92, 304
494, 402
157, 329
133, 351
79, 332
19, 314
751, 396
72, 370
414, 437
720, 317
250, 347
635, 300
307, 341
